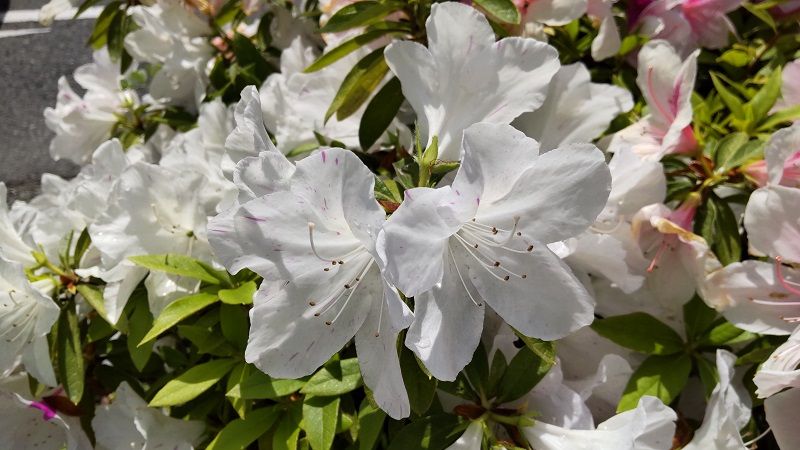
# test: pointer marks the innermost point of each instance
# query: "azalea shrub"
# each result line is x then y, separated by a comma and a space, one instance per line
408, 224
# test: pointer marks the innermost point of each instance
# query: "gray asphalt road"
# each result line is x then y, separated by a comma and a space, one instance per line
29, 70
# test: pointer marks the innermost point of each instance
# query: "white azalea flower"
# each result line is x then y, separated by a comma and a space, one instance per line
294, 103
201, 150
11, 244
648, 427
771, 218
153, 210
173, 37
782, 416
34, 424
575, 109
728, 411
465, 77
780, 370
485, 239
751, 297
129, 423
316, 247
81, 124
607, 43
26, 316
667, 84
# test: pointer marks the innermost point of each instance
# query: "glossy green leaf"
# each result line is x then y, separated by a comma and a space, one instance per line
370, 424
641, 332
70, 353
239, 433
766, 97
348, 47
320, 415
697, 317
334, 378
259, 385
359, 14
726, 334
525, 370
662, 376
184, 266
733, 102
380, 112
708, 374
503, 10
242, 295
177, 311
477, 371
428, 433
141, 321
358, 84
543, 349
192, 383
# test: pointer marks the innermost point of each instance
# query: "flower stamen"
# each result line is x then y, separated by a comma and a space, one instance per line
784, 282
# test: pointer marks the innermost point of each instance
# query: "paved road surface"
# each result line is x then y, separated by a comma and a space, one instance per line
29, 69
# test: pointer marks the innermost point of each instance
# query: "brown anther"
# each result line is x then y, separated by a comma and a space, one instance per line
312, 303
341, 262
506, 278
326, 269
519, 233
333, 263
523, 276
497, 263
530, 247
377, 334
494, 230
316, 314
476, 245
328, 322
347, 286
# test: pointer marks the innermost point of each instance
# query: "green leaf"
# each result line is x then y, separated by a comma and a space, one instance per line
370, 424
84, 6
525, 371
192, 383
94, 296
429, 433
248, 55
359, 14
99, 35
726, 334
235, 324
543, 349
320, 415
498, 369
70, 353
261, 386
177, 311
660, 376
334, 378
348, 47
238, 374
242, 295
184, 266
288, 430
420, 386
765, 98
730, 99
717, 224
781, 116
240, 433
750, 151
726, 149
697, 317
116, 36
503, 10
357, 86
708, 374
380, 112
477, 371
84, 241
641, 332
763, 15
140, 322
735, 57
387, 190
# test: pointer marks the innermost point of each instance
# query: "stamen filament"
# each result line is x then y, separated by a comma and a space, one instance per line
658, 255
339, 260
786, 284
495, 265
455, 264
352, 291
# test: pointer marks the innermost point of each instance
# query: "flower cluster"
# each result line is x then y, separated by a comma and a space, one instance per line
413, 224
